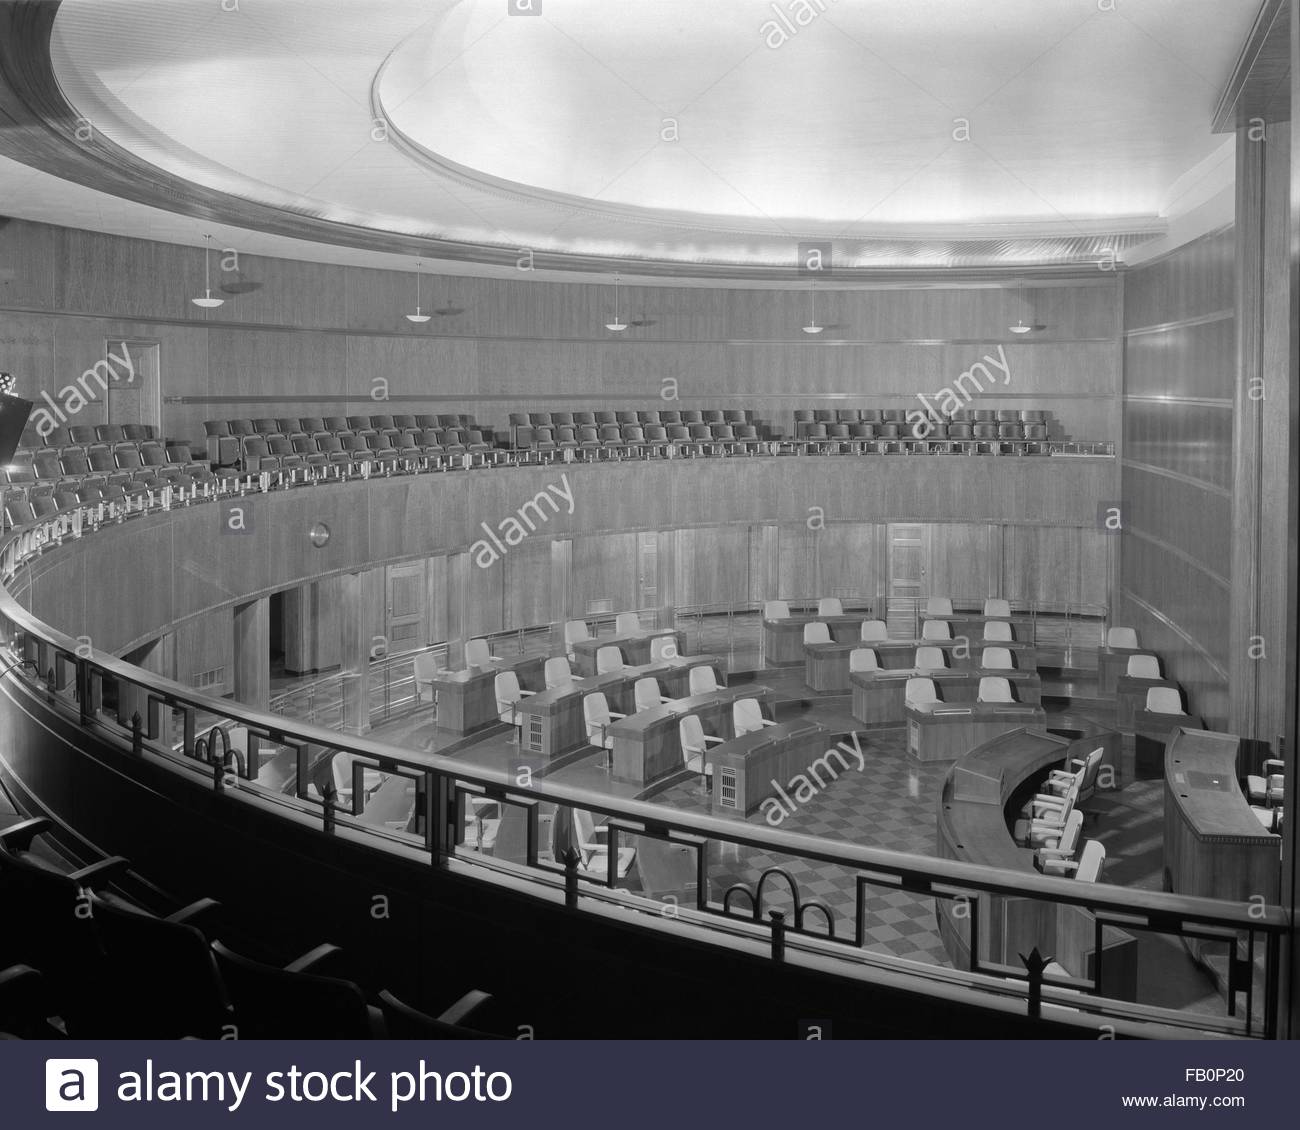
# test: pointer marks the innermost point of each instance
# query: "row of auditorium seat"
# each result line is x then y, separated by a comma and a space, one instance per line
806, 416
123, 972
641, 416
288, 425
87, 433
289, 452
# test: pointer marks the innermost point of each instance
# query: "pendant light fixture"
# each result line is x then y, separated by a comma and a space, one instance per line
419, 315
617, 326
207, 301
812, 327
1020, 327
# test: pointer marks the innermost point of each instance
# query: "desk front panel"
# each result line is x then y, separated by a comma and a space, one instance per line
467, 700
635, 648
947, 736
766, 766
783, 639
878, 699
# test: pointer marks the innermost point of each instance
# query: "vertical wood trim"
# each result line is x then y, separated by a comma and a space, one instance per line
251, 623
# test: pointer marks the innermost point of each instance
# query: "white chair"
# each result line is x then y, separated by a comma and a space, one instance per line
996, 659
341, 772
702, 680
695, 746
575, 631
994, 688
920, 693
478, 654
747, 716
509, 695
863, 659
1051, 859
646, 694
1164, 700
830, 606
776, 610
596, 711
816, 632
936, 630
608, 658
627, 624
1079, 775
1046, 821
997, 631
558, 673
930, 659
593, 848
1143, 667
1122, 637
1267, 788
1091, 859
873, 631
938, 606
425, 666
997, 608
663, 648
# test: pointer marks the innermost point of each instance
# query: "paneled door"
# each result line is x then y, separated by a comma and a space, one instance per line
909, 576
404, 619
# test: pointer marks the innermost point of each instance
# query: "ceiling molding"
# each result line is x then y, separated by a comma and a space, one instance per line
1260, 86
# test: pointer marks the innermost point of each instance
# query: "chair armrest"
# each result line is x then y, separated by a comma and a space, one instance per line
616, 714
464, 1008
1273, 764
187, 914
18, 837
100, 874
710, 739
525, 694
308, 962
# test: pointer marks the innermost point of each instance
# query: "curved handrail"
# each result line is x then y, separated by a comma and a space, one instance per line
912, 872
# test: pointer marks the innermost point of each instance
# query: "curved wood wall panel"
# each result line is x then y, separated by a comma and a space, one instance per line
127, 583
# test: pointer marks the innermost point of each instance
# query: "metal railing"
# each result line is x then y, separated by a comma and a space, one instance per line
355, 787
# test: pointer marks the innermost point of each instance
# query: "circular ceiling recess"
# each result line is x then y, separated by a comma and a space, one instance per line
716, 135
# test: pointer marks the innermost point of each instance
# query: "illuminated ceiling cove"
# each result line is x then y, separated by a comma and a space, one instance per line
716, 134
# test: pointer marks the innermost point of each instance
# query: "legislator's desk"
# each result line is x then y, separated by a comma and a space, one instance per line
894, 654
635, 648
971, 625
552, 722
647, 745
1131, 696
467, 700
763, 765
943, 732
974, 826
1112, 662
1214, 844
878, 695
826, 665
783, 639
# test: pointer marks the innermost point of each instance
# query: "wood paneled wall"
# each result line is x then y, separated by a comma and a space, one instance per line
1180, 374
300, 338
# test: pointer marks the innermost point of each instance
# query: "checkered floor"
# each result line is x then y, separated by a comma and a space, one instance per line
890, 804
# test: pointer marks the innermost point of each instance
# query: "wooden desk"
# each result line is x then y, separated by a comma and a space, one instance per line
467, 700
762, 766
895, 654
878, 696
973, 826
1112, 662
971, 625
948, 732
647, 745
552, 721
1131, 696
783, 639
635, 648
1214, 844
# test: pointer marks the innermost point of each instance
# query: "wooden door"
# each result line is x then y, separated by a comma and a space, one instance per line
909, 576
405, 618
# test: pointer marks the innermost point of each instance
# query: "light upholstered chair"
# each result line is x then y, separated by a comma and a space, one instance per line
1143, 667
1164, 700
1267, 788
702, 680
1051, 860
1079, 775
575, 631
776, 610
938, 606
873, 631
663, 648
920, 692
599, 717
994, 688
695, 746
1126, 638
936, 630
994, 607
646, 694
816, 632
478, 653
997, 631
593, 848
608, 658
627, 624
509, 695
996, 659
747, 716
863, 659
930, 659
424, 667
558, 673
830, 606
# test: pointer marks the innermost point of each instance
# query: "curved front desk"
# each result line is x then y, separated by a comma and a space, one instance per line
973, 825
